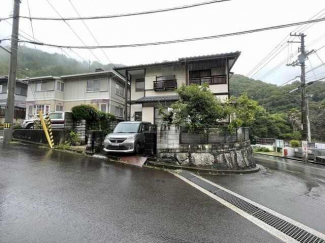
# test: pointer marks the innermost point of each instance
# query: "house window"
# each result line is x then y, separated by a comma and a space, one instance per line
118, 111
21, 91
44, 108
119, 90
44, 86
60, 86
3, 88
93, 85
59, 108
104, 107
139, 84
30, 111
138, 116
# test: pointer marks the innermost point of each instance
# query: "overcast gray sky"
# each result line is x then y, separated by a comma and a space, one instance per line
218, 18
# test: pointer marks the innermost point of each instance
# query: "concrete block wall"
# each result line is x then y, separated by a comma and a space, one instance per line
238, 155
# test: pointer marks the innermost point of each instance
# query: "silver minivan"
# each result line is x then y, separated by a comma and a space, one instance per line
127, 137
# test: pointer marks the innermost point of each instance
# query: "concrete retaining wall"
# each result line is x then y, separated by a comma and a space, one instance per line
236, 155
38, 136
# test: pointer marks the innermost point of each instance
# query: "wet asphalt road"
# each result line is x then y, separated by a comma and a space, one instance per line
291, 188
50, 196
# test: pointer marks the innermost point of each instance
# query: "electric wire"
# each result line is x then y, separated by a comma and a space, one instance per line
25, 33
109, 60
275, 27
126, 14
73, 31
287, 38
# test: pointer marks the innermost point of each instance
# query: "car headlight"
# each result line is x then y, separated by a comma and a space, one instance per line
130, 138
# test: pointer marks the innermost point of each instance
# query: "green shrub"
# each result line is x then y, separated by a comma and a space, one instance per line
294, 143
17, 126
96, 120
262, 149
63, 146
74, 137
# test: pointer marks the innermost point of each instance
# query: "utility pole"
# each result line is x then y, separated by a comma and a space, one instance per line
301, 62
10, 106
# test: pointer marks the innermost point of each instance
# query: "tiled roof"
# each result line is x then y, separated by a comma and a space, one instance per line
158, 98
220, 55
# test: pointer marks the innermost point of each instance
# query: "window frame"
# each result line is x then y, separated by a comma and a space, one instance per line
106, 107
137, 113
139, 80
56, 107
120, 93
60, 86
94, 81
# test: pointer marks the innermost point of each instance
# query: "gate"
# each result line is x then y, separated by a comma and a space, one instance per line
150, 136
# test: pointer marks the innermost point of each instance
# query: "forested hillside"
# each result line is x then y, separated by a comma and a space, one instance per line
33, 63
284, 107
281, 107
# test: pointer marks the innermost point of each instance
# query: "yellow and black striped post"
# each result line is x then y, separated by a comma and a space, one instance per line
49, 127
7, 125
46, 131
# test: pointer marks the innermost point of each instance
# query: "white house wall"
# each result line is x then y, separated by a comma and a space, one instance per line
135, 108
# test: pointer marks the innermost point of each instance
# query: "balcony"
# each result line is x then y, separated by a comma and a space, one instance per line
163, 83
211, 80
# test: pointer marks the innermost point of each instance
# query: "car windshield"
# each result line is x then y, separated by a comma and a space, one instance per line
127, 128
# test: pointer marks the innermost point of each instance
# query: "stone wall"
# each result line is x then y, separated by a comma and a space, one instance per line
236, 155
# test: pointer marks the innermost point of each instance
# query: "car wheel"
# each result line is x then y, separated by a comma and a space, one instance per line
137, 148
30, 126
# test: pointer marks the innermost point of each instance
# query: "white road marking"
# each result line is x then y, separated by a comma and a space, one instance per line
249, 217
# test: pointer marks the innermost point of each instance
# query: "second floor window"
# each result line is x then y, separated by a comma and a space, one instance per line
44, 86
60, 86
119, 90
93, 85
21, 91
139, 84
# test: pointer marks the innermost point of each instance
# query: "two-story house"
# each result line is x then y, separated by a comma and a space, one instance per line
20, 99
156, 83
105, 90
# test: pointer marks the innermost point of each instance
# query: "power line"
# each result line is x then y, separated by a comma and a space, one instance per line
32, 38
269, 55
109, 60
189, 39
31, 22
127, 14
73, 31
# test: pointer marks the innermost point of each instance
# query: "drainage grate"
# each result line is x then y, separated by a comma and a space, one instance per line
285, 227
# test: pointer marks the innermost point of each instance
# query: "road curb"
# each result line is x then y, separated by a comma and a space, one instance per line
292, 158
201, 170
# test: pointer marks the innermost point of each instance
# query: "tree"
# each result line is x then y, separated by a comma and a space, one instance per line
242, 111
294, 117
197, 107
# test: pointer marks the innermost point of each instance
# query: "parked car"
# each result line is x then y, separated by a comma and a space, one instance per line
59, 120
127, 137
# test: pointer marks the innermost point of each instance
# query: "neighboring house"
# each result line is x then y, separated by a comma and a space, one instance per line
156, 83
105, 90
20, 99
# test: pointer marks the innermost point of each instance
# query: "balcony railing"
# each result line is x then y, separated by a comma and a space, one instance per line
215, 79
167, 84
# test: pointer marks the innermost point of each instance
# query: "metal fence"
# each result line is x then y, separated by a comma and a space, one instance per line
213, 135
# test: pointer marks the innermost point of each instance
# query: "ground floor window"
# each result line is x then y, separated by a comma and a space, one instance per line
138, 116
118, 111
103, 107
44, 108
59, 108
